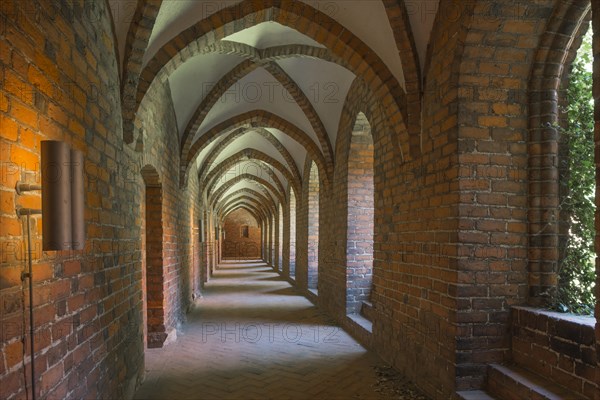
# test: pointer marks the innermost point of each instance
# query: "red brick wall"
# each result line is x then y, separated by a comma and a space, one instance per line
60, 80
313, 226
276, 243
289, 236
558, 348
273, 246
153, 271
180, 208
238, 247
454, 218
302, 232
309, 238
361, 214
280, 238
416, 224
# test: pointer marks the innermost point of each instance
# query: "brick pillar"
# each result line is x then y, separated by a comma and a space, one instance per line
289, 236
154, 268
280, 239
313, 227
276, 243
292, 236
285, 239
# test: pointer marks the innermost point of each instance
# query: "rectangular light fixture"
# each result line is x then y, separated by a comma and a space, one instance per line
62, 197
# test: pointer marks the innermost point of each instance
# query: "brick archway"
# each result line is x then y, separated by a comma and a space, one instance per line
360, 218
398, 16
247, 200
242, 203
236, 134
261, 119
551, 63
267, 202
356, 169
251, 154
214, 198
137, 41
252, 167
347, 50
239, 72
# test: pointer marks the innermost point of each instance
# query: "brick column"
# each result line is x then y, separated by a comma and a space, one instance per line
313, 227
154, 267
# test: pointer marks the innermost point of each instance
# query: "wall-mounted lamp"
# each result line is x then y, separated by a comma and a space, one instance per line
62, 197
62, 212
201, 230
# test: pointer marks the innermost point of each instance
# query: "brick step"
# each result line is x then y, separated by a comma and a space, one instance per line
474, 395
366, 310
513, 382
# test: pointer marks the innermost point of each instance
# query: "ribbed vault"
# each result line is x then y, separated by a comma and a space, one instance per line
258, 88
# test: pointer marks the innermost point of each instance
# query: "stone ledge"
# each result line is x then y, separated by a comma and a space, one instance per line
576, 319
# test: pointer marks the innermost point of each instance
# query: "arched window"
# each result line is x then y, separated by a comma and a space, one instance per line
313, 228
576, 270
361, 215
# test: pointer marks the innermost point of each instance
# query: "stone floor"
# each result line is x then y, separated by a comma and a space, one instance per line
252, 336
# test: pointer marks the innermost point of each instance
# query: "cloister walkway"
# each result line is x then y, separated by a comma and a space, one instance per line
252, 336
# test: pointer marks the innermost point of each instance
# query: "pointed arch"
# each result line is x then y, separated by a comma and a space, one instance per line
222, 189
267, 201
265, 119
346, 49
136, 43
251, 154
547, 73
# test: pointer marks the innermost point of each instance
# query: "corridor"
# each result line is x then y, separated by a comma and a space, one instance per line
253, 336
423, 174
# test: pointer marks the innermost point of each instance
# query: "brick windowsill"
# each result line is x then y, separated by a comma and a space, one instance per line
576, 319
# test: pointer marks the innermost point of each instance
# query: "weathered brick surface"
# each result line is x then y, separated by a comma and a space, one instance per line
289, 236
237, 246
562, 350
280, 244
464, 194
313, 226
361, 214
548, 228
60, 80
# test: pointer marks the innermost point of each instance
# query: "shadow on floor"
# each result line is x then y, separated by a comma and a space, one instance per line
253, 336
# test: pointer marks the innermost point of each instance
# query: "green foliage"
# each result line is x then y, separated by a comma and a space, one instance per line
575, 291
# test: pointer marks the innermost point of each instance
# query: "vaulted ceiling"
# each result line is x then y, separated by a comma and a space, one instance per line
259, 89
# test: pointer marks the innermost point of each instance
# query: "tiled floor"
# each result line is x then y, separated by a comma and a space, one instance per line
253, 337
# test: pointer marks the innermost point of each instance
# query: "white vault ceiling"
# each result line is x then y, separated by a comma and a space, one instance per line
265, 87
